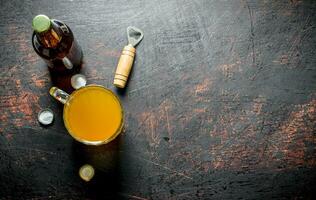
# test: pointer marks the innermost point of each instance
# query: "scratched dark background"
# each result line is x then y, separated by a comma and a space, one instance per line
221, 103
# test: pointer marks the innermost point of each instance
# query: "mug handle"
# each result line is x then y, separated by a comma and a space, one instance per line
59, 94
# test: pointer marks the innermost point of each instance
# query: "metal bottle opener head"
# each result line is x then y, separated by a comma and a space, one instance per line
134, 35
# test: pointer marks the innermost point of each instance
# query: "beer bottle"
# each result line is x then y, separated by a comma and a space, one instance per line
54, 41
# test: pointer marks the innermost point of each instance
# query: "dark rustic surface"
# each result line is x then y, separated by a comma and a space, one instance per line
221, 103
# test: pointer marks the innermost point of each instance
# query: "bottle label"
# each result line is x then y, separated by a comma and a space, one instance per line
64, 29
67, 63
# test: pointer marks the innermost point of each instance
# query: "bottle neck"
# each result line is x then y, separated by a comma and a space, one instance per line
49, 38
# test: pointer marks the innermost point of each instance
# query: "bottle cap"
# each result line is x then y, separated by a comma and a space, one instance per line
78, 81
45, 116
86, 172
41, 23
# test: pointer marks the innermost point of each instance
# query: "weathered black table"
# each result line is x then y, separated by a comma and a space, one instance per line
221, 103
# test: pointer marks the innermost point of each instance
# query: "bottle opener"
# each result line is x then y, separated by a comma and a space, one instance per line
124, 66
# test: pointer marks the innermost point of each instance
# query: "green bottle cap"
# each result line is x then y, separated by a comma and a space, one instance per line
41, 23
86, 172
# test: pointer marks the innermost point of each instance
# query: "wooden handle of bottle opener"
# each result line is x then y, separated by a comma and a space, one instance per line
124, 66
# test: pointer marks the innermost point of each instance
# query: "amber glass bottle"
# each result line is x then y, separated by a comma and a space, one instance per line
54, 41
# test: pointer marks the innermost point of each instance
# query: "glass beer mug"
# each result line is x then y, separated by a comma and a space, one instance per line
92, 114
